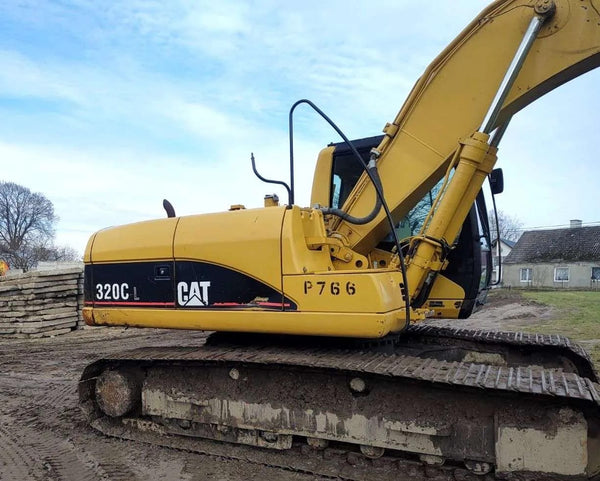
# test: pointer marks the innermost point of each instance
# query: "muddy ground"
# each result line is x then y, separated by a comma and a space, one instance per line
43, 435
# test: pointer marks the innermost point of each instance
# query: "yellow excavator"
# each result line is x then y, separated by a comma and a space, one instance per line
323, 360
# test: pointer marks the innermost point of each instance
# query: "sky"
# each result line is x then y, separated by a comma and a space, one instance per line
107, 107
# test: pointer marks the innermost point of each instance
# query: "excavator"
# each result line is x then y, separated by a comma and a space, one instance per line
322, 359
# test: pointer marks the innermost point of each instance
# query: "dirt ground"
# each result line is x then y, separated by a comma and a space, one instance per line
42, 432
501, 314
43, 435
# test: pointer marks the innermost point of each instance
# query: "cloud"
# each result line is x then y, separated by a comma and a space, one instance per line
107, 107
21, 77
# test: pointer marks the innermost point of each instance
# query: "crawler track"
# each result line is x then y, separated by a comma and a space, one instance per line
545, 349
423, 410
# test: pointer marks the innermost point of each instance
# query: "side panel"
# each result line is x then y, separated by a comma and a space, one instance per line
131, 265
204, 285
133, 284
222, 260
183, 284
134, 242
245, 240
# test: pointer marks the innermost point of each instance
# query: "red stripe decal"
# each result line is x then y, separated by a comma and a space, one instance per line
237, 304
111, 303
272, 304
216, 304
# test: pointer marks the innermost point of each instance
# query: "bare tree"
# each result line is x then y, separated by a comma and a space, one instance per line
26, 226
59, 253
510, 226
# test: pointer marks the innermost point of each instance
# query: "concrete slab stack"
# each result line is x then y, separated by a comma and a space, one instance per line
41, 303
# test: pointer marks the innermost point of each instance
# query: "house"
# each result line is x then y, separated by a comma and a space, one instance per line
555, 258
505, 247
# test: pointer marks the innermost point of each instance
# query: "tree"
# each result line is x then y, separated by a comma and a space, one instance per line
27, 227
510, 226
63, 253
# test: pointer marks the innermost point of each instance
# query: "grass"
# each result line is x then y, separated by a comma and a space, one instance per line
577, 315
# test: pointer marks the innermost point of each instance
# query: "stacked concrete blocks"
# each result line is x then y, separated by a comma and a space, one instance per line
43, 303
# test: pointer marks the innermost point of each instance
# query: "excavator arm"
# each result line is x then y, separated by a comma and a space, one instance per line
511, 54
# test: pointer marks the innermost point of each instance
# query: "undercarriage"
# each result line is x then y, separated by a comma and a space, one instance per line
431, 403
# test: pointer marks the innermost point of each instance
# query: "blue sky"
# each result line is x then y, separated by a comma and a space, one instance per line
106, 107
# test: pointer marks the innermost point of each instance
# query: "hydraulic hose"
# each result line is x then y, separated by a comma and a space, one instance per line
374, 175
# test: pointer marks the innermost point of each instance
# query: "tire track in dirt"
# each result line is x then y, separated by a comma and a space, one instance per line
60, 461
61, 395
38, 454
17, 462
71, 463
40, 420
44, 436
112, 462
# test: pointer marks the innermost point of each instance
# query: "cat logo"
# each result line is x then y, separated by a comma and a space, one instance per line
193, 294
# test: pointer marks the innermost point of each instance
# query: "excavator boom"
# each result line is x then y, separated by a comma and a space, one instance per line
450, 100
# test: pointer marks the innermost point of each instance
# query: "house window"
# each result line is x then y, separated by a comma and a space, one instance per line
526, 274
561, 274
596, 273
